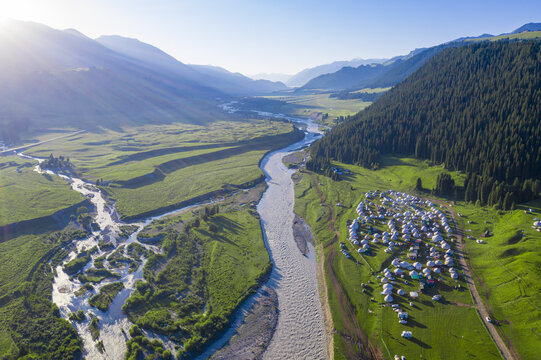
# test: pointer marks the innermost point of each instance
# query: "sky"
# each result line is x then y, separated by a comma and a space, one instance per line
279, 36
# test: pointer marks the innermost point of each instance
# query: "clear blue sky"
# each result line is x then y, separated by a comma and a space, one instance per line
282, 36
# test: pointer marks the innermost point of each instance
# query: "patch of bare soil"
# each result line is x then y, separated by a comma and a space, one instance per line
302, 234
253, 337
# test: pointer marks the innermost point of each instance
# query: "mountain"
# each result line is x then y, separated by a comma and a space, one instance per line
212, 77
272, 77
528, 27
473, 108
375, 75
62, 78
302, 77
346, 78
146, 54
235, 83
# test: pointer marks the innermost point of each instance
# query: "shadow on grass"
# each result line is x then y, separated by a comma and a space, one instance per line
420, 343
217, 237
227, 224
412, 323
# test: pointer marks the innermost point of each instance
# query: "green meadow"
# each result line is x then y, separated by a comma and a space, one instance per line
311, 106
149, 168
506, 270
25, 194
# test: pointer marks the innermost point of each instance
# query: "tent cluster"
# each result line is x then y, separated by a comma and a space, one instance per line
416, 228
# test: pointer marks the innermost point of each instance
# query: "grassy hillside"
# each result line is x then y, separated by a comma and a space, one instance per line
25, 194
445, 331
154, 167
214, 257
507, 269
527, 35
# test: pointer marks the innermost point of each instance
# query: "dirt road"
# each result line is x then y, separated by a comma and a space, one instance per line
479, 305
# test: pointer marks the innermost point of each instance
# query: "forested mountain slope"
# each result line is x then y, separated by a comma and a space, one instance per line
475, 108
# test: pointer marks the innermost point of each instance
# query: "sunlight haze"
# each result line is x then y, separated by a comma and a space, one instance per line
276, 36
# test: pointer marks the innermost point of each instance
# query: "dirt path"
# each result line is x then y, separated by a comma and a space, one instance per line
479, 305
354, 338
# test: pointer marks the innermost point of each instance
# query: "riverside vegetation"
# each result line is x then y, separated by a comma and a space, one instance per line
212, 259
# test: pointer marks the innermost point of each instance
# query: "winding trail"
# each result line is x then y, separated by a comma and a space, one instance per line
478, 302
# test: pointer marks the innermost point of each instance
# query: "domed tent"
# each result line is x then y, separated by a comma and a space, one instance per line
400, 292
388, 298
387, 292
388, 286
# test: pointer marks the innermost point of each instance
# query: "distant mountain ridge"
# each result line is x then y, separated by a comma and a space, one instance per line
391, 72
211, 76
528, 27
62, 78
302, 77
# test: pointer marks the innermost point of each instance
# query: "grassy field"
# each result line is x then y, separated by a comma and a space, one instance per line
442, 331
214, 257
25, 194
507, 270
308, 106
155, 167
30, 323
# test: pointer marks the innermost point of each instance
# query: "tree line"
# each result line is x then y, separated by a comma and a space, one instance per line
475, 109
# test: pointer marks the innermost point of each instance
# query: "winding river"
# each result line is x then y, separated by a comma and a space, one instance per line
300, 332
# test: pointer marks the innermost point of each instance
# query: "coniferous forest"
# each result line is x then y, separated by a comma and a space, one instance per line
475, 108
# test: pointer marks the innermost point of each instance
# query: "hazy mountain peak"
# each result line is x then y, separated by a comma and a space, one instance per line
528, 27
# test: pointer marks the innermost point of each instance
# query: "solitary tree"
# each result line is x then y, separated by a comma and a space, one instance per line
419, 185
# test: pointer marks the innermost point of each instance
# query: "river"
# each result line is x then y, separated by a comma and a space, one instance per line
300, 332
